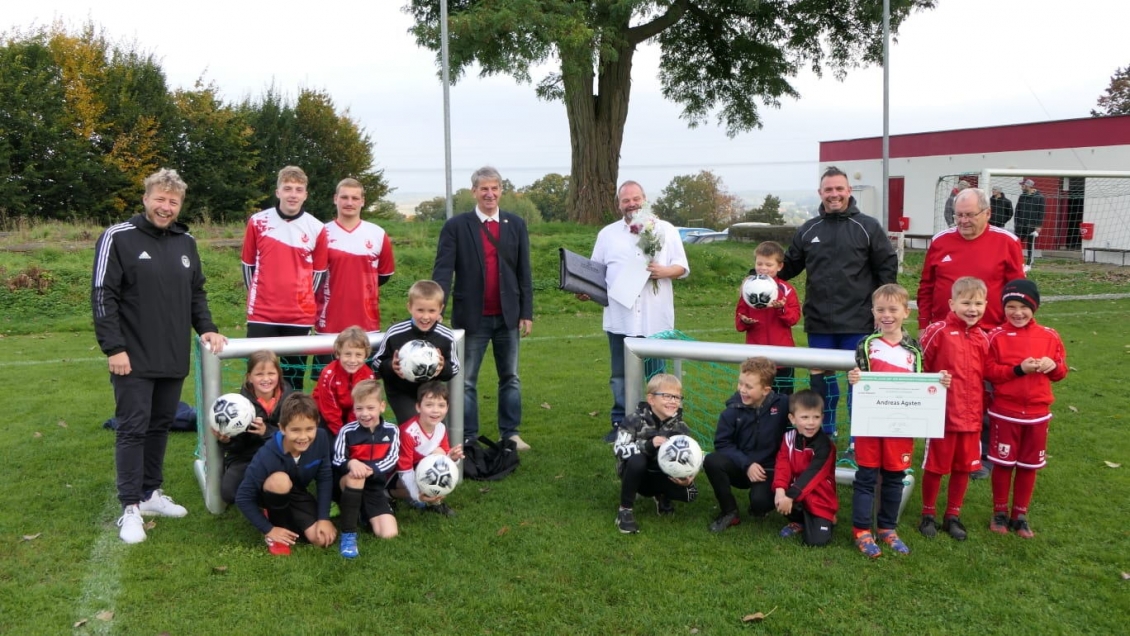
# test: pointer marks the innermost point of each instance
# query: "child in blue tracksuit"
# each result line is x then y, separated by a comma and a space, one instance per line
279, 477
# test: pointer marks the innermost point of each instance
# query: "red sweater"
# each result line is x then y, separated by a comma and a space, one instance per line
773, 326
1016, 393
334, 394
951, 345
806, 469
995, 257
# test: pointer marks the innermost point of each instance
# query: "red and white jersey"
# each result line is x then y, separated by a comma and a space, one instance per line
415, 444
886, 357
350, 294
284, 256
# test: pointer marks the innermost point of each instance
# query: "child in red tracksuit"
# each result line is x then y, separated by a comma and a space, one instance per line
957, 346
1024, 359
772, 325
334, 392
804, 481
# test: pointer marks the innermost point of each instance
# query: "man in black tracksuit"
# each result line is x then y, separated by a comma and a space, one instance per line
1029, 218
147, 293
847, 256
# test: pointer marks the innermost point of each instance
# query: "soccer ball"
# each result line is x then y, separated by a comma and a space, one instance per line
680, 457
437, 475
231, 414
758, 291
419, 360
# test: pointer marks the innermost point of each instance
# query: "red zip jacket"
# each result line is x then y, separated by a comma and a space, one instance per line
806, 469
334, 394
1027, 395
951, 345
773, 326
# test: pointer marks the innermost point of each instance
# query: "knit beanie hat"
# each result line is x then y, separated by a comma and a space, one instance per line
1024, 290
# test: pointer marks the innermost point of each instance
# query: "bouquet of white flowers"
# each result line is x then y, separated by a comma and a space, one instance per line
645, 225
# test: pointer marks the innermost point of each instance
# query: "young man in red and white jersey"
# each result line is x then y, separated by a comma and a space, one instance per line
284, 261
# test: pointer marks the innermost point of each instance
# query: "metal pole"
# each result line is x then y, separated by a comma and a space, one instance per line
886, 111
446, 69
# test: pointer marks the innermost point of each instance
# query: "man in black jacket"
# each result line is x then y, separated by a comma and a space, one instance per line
147, 294
1000, 208
1029, 218
848, 256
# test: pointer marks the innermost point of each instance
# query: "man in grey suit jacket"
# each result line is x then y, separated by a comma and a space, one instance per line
487, 252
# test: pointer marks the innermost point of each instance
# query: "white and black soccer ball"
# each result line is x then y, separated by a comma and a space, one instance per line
680, 457
759, 290
437, 475
419, 360
231, 414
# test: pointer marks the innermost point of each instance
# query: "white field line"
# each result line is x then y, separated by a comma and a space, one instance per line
102, 583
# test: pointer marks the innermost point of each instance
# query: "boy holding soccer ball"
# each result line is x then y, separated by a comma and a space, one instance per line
277, 480
745, 443
425, 306
365, 454
804, 481
334, 392
421, 436
636, 447
771, 324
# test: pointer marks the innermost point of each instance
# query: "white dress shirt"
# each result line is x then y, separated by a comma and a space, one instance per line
653, 311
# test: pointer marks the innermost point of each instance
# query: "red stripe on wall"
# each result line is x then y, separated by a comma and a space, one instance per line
1050, 135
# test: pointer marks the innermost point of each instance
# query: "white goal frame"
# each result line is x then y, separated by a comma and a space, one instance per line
636, 349
211, 387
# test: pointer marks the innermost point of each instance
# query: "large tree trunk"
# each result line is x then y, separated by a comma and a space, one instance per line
596, 129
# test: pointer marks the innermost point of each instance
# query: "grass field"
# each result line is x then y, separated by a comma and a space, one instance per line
538, 552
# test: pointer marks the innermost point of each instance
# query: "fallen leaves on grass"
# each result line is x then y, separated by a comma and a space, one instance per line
149, 525
594, 413
1126, 576
37, 434
1112, 464
220, 569
757, 617
558, 476
61, 424
546, 406
503, 530
484, 489
1072, 409
1072, 369
79, 624
105, 615
32, 537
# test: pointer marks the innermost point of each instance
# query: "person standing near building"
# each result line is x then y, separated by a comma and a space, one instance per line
1029, 219
847, 256
483, 265
1000, 208
147, 294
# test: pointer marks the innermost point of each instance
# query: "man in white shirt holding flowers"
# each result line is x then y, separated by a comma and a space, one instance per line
626, 244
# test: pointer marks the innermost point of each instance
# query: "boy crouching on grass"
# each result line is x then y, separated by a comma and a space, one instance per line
957, 346
277, 479
805, 476
1024, 359
423, 435
638, 439
365, 454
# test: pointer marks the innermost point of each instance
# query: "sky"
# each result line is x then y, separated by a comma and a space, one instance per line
968, 63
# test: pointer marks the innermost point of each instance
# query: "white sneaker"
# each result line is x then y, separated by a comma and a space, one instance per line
1027, 268
132, 525
162, 505
519, 444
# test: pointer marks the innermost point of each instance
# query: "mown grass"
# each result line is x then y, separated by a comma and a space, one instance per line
538, 552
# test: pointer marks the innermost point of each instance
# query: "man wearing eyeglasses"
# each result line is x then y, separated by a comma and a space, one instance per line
971, 248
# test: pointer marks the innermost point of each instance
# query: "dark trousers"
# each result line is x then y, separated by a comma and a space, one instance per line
863, 498
145, 409
294, 367
817, 531
725, 474
233, 477
403, 405
641, 477
783, 383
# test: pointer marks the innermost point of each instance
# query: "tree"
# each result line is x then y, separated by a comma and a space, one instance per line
550, 194
1116, 101
769, 212
717, 56
699, 199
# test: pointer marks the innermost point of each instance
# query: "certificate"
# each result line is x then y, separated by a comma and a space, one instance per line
629, 284
898, 405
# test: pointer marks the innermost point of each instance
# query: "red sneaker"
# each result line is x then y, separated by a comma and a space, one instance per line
278, 549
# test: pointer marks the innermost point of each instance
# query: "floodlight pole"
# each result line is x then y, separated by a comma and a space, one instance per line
445, 64
886, 111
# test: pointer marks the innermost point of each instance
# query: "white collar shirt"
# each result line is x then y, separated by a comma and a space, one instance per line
653, 310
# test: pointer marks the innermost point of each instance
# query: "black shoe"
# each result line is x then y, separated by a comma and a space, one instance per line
725, 520
663, 506
610, 436
928, 526
955, 528
440, 509
984, 472
626, 521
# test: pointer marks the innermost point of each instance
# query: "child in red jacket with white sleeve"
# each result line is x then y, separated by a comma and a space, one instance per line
772, 324
804, 479
1024, 359
957, 346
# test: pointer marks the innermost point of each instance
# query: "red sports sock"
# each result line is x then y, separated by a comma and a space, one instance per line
959, 482
931, 484
1002, 483
1025, 484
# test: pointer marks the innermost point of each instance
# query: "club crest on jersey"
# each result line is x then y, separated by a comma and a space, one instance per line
368, 245
305, 238
184, 261
906, 458
1004, 449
